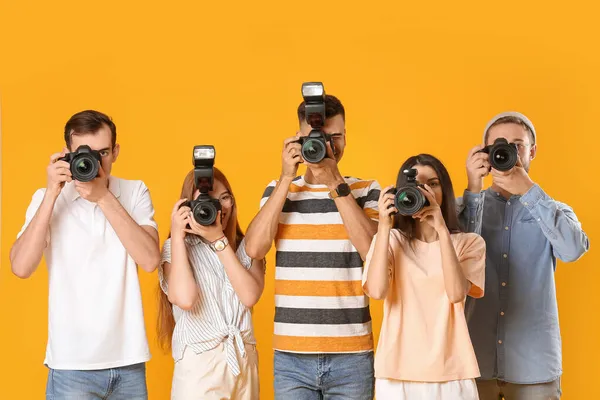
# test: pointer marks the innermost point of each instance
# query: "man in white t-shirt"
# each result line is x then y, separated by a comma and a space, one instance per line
93, 229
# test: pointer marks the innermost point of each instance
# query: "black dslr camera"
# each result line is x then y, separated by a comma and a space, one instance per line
409, 199
204, 208
84, 163
503, 155
314, 147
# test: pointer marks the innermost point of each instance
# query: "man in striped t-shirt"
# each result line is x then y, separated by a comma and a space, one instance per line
323, 225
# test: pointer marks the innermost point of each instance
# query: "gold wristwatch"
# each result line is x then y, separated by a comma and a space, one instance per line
219, 244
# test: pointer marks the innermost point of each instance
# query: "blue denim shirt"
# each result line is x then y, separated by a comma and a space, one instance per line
514, 328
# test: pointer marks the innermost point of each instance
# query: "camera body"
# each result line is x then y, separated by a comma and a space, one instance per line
204, 208
503, 155
314, 146
408, 199
84, 163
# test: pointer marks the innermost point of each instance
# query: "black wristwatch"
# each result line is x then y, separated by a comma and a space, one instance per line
342, 190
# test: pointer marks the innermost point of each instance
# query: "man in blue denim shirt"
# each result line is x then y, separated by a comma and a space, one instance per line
514, 327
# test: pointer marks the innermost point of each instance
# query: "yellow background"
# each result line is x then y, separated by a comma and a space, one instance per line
414, 77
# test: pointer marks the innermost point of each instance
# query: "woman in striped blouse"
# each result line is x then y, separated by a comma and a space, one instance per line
205, 301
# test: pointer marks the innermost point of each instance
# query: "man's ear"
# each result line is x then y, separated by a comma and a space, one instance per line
533, 151
115, 151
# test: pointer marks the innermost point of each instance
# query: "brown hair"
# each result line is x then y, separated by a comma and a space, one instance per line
333, 107
510, 120
89, 121
406, 224
234, 234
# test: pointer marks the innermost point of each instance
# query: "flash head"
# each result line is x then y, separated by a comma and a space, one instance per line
203, 158
313, 90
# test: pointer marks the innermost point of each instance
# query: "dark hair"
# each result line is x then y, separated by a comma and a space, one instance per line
510, 120
89, 121
333, 107
407, 224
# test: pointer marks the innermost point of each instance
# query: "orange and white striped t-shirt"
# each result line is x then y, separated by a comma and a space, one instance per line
320, 306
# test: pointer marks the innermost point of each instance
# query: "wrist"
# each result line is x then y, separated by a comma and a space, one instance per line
442, 231
286, 179
336, 182
385, 225
104, 199
51, 195
474, 187
527, 187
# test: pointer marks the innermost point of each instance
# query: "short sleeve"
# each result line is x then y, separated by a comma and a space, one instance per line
143, 209
471, 256
164, 258
392, 248
34, 205
370, 199
267, 193
245, 260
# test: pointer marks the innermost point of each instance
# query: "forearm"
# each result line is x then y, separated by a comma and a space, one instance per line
558, 223
456, 284
143, 248
182, 286
27, 252
378, 275
247, 288
359, 226
470, 211
263, 228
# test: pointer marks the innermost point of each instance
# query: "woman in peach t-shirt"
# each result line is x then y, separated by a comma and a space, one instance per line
424, 267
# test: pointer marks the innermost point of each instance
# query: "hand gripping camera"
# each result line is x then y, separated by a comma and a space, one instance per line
503, 155
408, 199
204, 208
314, 146
84, 163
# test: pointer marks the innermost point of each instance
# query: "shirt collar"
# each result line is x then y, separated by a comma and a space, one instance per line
72, 194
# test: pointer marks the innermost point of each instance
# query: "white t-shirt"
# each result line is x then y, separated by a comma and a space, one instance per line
95, 316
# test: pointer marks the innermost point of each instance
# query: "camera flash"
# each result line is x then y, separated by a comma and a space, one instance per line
204, 154
311, 89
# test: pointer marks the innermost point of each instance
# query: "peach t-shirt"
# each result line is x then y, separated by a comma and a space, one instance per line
424, 337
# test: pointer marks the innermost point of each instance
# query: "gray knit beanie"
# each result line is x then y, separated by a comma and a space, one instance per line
511, 114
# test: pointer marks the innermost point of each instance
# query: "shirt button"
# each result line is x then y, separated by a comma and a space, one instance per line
506, 228
502, 313
508, 203
504, 255
525, 203
503, 283
472, 222
499, 341
477, 200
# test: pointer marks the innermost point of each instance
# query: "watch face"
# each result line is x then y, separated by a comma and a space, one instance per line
220, 245
344, 189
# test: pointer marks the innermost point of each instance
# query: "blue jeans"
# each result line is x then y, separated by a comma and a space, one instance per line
324, 376
123, 383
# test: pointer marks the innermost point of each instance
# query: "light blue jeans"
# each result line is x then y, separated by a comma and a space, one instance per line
324, 376
123, 383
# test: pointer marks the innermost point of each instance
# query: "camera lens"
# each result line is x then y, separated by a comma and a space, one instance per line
84, 168
313, 150
503, 157
409, 200
205, 213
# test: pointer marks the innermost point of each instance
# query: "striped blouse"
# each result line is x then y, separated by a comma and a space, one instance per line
218, 315
320, 306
